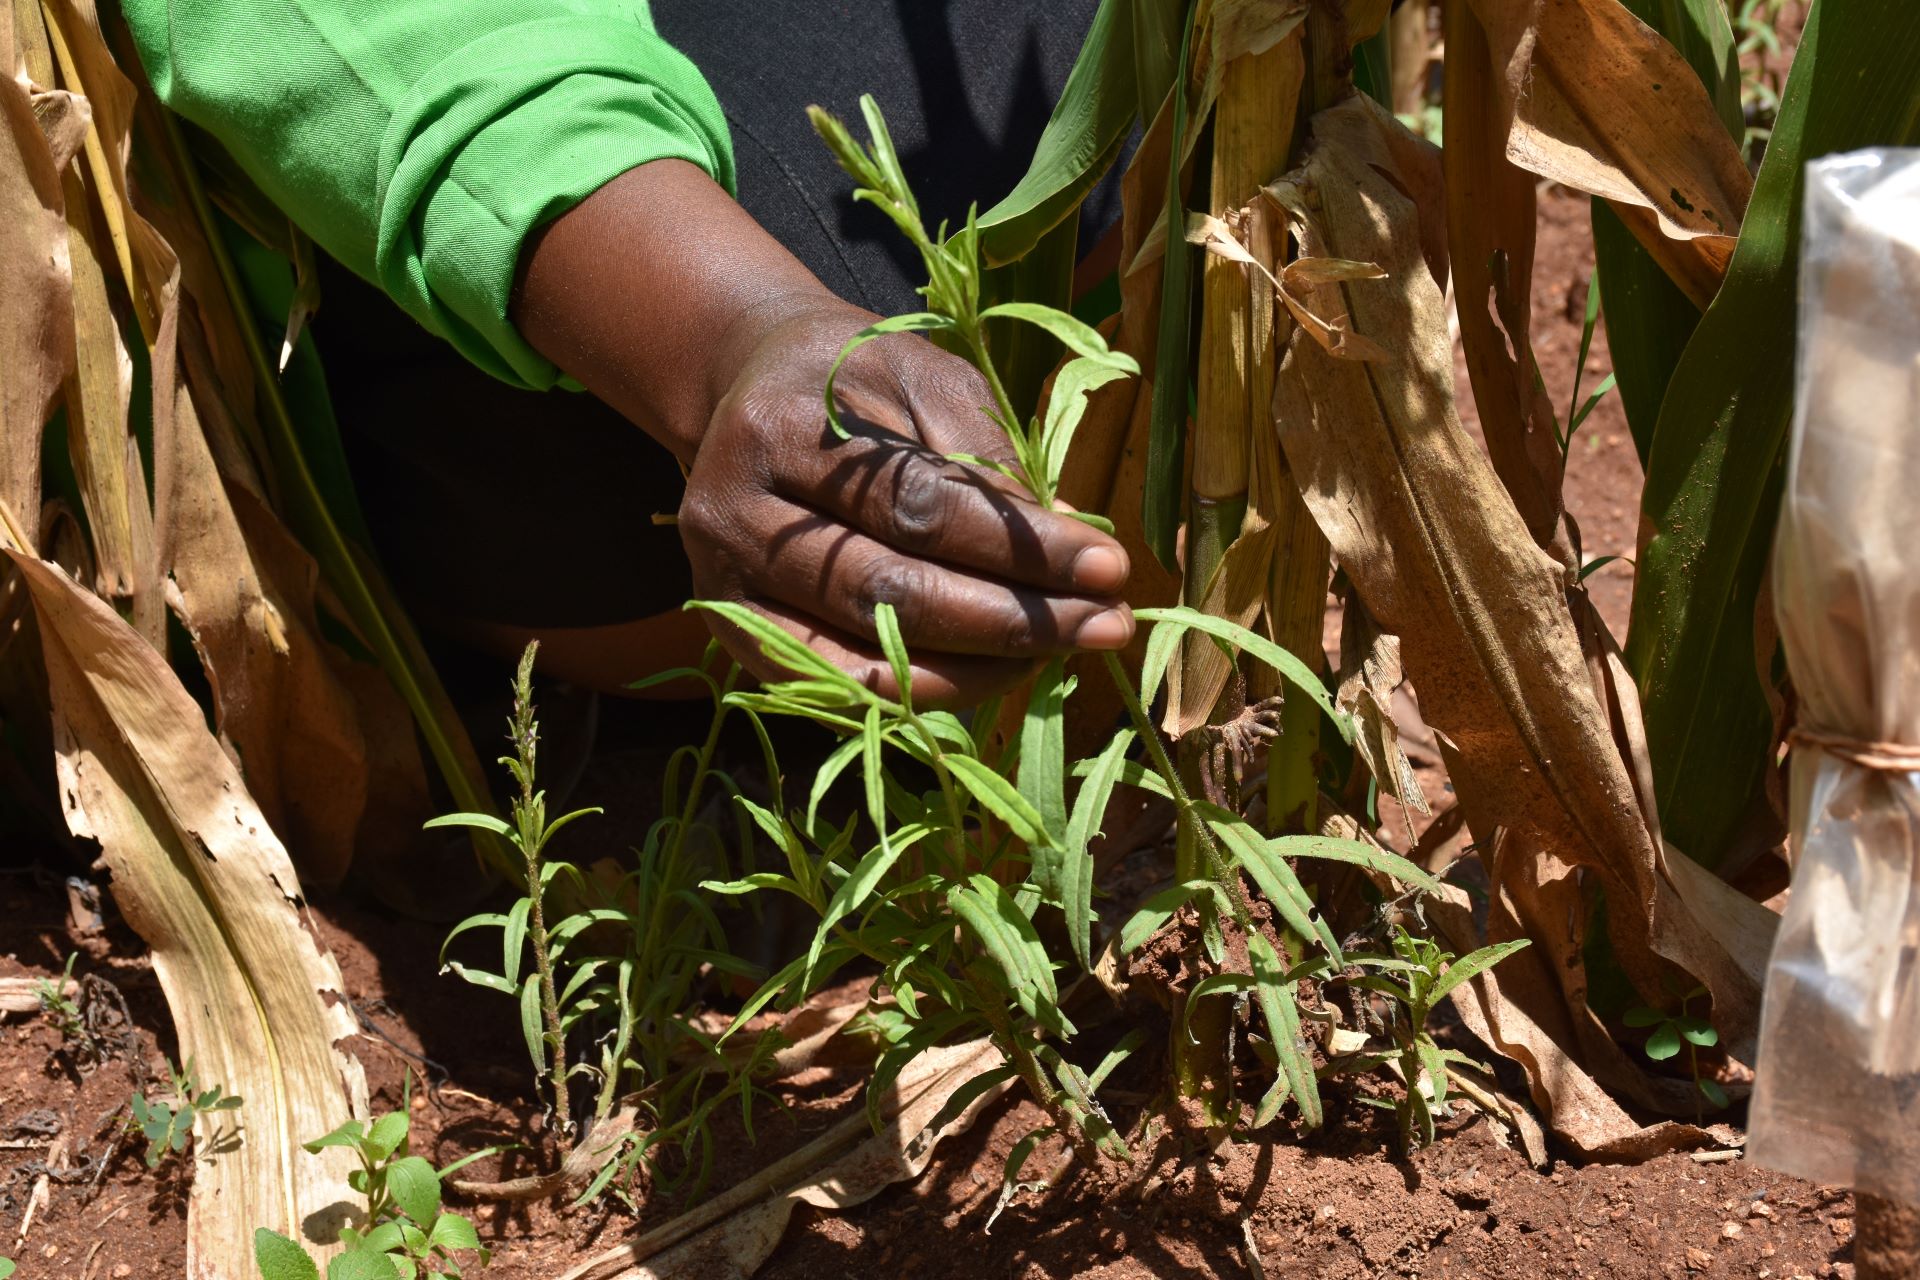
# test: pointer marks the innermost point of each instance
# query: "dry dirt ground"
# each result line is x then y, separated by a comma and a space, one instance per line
1337, 1205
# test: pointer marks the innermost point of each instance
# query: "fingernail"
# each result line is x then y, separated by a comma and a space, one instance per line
1101, 569
1108, 629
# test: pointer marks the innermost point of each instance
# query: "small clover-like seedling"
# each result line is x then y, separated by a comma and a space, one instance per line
1672, 1031
404, 1233
168, 1124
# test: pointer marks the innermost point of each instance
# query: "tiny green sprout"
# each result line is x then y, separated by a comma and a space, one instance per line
64, 1011
1415, 978
168, 1124
1670, 1032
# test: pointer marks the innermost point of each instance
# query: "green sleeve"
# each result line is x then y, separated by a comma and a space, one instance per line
420, 141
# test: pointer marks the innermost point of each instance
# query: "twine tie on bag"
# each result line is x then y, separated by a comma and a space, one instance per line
1892, 757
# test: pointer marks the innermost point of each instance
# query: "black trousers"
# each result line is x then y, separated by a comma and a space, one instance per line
535, 509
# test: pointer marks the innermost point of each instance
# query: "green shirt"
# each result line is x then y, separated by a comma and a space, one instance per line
420, 141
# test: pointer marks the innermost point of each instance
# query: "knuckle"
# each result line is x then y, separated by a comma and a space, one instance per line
922, 503
891, 581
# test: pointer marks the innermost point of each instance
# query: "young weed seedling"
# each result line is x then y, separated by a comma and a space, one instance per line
627, 965
404, 1233
1672, 1030
942, 890
168, 1124
1415, 979
64, 1011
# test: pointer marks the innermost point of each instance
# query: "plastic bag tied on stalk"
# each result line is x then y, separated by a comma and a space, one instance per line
1837, 1099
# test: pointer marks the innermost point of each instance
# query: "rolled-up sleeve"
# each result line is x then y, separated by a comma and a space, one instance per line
421, 142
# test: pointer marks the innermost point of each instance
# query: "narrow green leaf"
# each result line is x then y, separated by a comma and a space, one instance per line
1296, 672
912, 322
1359, 853
1277, 881
513, 939
1212, 985
484, 821
887, 623
1000, 798
1279, 1005
1161, 503
1468, 967
782, 647
1076, 873
1043, 765
1078, 336
530, 1025
1067, 405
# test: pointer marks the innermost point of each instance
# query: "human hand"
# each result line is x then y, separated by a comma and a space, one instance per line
814, 531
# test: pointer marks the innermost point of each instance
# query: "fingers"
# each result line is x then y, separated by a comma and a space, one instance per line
938, 679
841, 576
903, 494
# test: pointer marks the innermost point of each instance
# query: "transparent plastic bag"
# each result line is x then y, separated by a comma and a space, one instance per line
1837, 1098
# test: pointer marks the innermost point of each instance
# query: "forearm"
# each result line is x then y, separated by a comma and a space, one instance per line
652, 292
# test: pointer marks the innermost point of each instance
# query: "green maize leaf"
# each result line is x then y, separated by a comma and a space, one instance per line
1296, 672
1075, 876
1279, 1005
999, 797
1160, 504
1078, 145
1714, 478
1156, 45
1650, 319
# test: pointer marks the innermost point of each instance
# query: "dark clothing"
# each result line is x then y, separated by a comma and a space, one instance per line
535, 508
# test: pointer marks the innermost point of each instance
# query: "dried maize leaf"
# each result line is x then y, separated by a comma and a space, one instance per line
1441, 557
1490, 232
1369, 672
1594, 98
42, 130
200, 876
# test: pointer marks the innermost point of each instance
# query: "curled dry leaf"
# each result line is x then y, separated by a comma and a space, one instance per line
1441, 557
199, 875
240, 584
733, 1232
1334, 331
1490, 228
1592, 97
